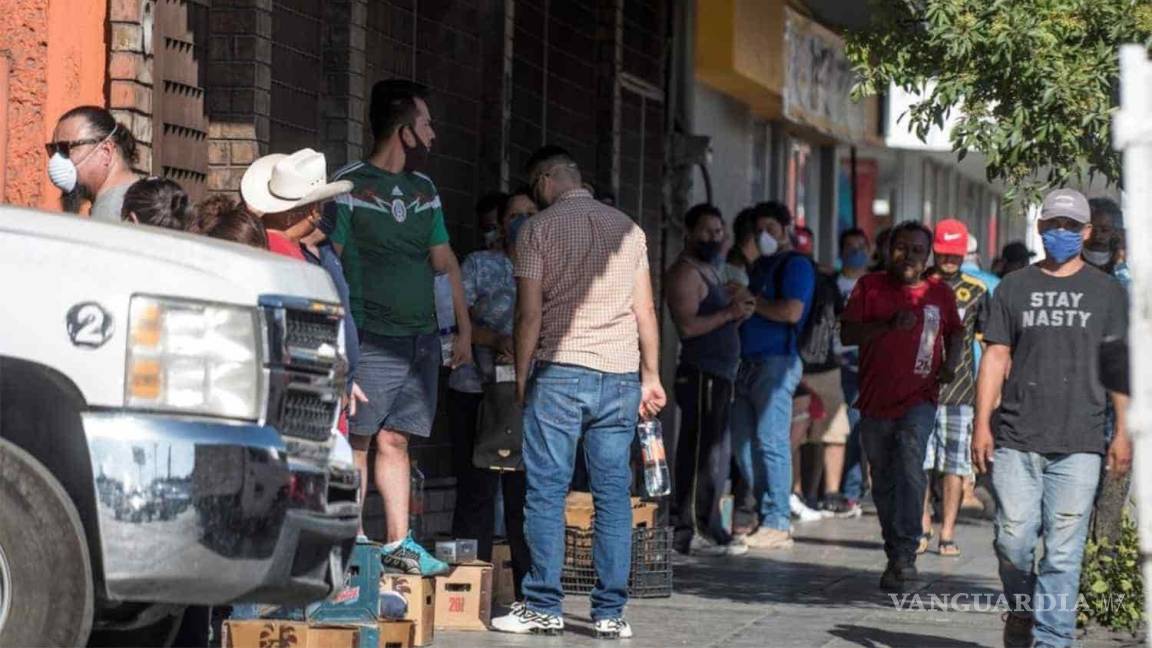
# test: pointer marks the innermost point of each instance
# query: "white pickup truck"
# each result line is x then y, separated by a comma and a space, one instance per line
167, 414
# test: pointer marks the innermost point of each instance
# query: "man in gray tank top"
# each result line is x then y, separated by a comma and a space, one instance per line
707, 314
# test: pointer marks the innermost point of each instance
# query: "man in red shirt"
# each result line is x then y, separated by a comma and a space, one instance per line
911, 341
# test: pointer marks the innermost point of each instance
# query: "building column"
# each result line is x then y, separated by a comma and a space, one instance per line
238, 89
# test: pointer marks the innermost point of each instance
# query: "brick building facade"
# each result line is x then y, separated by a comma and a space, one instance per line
207, 86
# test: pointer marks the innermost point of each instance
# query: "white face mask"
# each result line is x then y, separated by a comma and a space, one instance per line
1097, 257
767, 244
63, 172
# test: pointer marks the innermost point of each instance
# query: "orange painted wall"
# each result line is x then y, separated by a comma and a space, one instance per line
58, 55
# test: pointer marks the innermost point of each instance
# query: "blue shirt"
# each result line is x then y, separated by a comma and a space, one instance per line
490, 290
792, 275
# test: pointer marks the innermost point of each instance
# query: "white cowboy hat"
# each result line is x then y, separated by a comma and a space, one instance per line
278, 182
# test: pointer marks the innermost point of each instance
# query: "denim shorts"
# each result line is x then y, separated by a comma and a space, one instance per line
399, 376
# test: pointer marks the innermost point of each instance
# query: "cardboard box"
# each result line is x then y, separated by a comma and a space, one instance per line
578, 510
267, 633
580, 513
421, 596
503, 578
464, 597
394, 634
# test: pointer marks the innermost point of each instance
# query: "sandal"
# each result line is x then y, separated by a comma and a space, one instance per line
925, 538
948, 548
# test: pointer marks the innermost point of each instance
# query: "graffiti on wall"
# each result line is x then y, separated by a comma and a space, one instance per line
818, 82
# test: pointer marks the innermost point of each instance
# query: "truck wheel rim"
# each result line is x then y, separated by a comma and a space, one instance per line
5, 588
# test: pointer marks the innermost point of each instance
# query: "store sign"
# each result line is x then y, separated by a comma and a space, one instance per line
818, 83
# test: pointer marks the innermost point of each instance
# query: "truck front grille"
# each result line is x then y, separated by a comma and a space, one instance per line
307, 415
311, 337
307, 366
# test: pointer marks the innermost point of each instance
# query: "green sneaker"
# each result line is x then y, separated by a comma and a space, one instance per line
409, 557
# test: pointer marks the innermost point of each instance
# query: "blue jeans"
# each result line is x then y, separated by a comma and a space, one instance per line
895, 450
852, 486
1050, 495
563, 403
761, 422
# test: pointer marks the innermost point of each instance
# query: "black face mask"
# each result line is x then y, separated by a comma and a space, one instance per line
708, 251
415, 157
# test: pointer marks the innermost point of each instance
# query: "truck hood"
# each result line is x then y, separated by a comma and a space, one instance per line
259, 271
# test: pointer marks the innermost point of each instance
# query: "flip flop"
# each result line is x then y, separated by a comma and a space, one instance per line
949, 548
924, 540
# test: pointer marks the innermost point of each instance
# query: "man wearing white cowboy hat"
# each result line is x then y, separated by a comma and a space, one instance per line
288, 192
393, 241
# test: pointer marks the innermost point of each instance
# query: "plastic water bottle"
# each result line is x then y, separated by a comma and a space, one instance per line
445, 317
657, 481
416, 502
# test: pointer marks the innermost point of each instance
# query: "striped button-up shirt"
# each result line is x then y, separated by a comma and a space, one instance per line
586, 256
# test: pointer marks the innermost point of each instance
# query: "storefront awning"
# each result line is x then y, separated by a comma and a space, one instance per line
783, 66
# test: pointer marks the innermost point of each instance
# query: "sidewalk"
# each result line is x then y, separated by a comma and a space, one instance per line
822, 592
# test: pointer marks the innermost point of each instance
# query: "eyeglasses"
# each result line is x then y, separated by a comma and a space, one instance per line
520, 215
65, 147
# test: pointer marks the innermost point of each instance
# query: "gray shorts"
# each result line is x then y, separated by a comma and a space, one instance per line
399, 376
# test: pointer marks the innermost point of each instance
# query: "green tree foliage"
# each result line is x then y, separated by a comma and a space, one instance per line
1111, 589
1034, 80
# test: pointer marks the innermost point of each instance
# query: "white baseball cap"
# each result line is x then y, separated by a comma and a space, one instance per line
278, 182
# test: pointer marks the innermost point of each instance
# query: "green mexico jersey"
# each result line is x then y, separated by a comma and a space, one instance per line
385, 226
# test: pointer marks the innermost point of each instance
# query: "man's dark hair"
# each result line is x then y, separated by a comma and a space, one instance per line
744, 225
101, 124
393, 104
158, 202
547, 158
775, 210
1109, 207
488, 202
910, 226
848, 233
697, 212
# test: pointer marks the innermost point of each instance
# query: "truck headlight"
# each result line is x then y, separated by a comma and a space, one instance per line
193, 357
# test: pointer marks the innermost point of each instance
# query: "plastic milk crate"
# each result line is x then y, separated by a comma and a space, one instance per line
651, 575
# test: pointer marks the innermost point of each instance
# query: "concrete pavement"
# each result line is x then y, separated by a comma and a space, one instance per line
821, 592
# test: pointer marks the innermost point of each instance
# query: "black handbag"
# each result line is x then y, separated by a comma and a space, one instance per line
500, 431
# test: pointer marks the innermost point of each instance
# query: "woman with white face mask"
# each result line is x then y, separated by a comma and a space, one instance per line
90, 158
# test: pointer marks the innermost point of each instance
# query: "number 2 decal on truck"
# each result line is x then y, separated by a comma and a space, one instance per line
89, 325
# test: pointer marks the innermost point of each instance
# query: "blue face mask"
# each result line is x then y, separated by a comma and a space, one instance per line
514, 226
1062, 244
856, 259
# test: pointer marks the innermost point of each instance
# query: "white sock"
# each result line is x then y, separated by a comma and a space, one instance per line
392, 545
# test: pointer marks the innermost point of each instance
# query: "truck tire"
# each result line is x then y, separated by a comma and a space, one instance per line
46, 591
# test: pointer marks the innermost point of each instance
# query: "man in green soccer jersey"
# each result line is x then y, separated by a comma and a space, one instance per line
393, 242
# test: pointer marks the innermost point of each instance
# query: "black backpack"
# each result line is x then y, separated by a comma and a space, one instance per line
816, 336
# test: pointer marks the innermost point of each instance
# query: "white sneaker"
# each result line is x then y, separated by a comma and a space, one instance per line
702, 546
521, 620
738, 546
613, 629
801, 512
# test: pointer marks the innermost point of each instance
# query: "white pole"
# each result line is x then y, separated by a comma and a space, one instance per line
1132, 133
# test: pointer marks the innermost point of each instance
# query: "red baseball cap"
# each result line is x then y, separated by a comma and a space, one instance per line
951, 238
802, 239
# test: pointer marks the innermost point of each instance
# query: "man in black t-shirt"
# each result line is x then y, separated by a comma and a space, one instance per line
1045, 325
